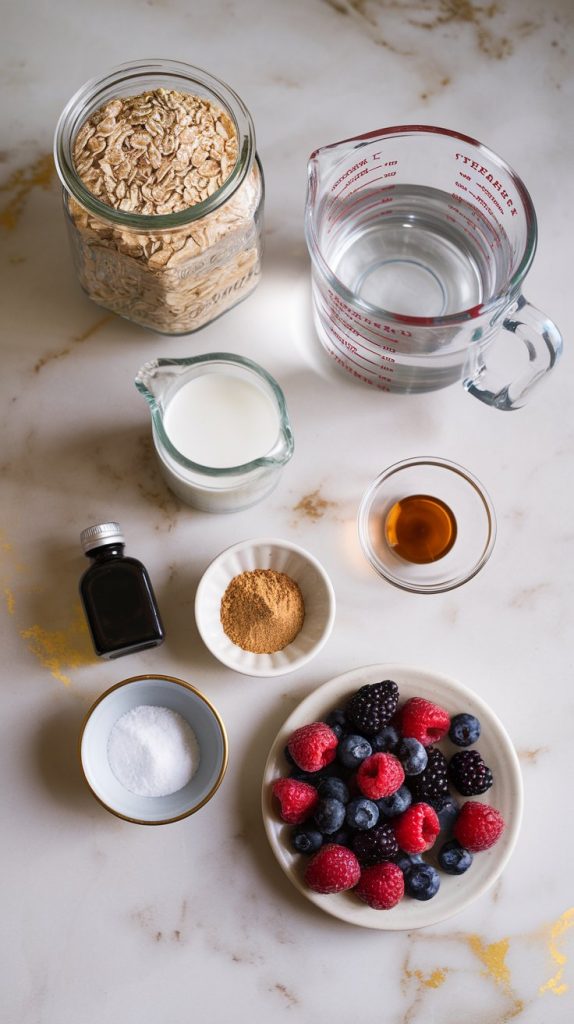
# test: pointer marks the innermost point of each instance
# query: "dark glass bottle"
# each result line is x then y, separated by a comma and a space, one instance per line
117, 595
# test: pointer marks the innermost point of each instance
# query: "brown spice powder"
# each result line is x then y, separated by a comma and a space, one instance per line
262, 611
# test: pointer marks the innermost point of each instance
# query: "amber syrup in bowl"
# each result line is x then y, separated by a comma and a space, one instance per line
420, 528
426, 525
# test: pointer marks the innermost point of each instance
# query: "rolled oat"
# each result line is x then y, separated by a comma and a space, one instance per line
155, 153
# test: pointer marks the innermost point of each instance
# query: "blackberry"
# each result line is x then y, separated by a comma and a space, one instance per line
432, 783
375, 846
373, 706
469, 774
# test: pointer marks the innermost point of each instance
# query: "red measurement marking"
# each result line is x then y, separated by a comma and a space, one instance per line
360, 356
389, 174
337, 303
350, 170
342, 362
334, 314
331, 316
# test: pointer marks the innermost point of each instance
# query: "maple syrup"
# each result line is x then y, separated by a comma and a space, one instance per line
420, 528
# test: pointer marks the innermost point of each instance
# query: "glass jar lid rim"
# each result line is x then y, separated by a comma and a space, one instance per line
101, 88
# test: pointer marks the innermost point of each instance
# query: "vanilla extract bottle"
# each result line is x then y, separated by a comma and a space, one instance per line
117, 595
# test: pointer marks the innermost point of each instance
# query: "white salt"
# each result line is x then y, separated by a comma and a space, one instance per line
153, 751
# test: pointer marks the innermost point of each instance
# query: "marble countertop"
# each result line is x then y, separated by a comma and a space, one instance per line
103, 920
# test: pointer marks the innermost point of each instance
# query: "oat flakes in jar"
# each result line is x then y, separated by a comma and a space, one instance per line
163, 194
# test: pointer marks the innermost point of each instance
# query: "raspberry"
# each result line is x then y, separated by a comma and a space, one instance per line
313, 746
373, 706
381, 886
478, 826
297, 799
375, 846
333, 868
432, 783
426, 722
380, 775
469, 774
417, 829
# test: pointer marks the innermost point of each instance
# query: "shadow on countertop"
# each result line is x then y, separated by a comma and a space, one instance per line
56, 758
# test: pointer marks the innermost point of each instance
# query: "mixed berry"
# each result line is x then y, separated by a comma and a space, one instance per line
369, 793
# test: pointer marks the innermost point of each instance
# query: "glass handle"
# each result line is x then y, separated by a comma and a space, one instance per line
543, 343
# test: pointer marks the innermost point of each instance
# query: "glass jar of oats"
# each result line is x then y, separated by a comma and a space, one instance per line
163, 194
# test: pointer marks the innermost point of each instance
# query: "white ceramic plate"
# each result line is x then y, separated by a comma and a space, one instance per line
282, 556
455, 893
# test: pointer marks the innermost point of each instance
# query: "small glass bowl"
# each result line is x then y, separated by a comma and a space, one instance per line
450, 484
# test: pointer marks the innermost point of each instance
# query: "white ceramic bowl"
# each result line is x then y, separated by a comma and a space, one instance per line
456, 892
282, 556
160, 691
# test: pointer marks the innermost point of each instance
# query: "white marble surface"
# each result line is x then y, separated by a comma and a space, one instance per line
104, 921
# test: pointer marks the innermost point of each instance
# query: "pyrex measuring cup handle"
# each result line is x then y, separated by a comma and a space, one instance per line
543, 343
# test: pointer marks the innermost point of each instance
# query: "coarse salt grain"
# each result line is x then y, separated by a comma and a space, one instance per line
153, 751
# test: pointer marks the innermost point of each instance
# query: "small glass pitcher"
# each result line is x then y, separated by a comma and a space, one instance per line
214, 488
420, 239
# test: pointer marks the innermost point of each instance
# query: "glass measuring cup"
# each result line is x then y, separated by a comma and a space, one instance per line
221, 487
420, 239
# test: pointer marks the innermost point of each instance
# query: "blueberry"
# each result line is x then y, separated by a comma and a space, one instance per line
464, 730
392, 806
422, 881
329, 815
306, 840
406, 860
412, 756
453, 858
447, 810
337, 718
362, 813
386, 741
352, 750
334, 787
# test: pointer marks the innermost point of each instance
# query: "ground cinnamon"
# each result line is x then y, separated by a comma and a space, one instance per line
262, 611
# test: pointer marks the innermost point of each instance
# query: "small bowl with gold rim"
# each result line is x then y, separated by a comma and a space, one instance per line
197, 712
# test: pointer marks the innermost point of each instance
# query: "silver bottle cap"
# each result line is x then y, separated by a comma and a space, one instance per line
103, 533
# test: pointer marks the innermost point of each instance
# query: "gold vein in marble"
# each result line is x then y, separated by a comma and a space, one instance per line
555, 984
61, 353
10, 568
493, 956
61, 650
435, 979
20, 184
422, 14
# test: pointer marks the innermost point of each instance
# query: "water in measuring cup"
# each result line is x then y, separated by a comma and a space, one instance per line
420, 254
